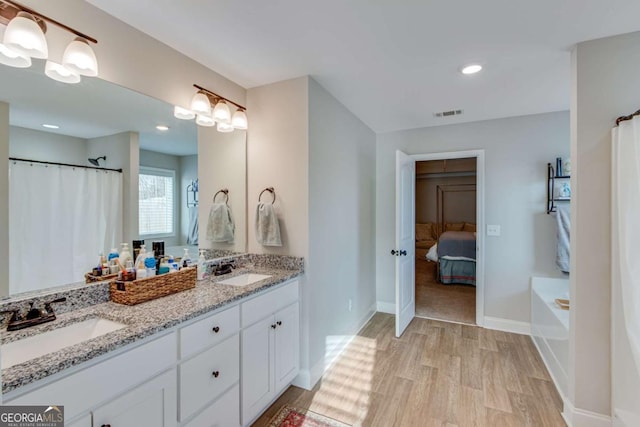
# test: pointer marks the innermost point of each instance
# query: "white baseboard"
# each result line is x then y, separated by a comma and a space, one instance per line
507, 325
576, 417
386, 307
308, 378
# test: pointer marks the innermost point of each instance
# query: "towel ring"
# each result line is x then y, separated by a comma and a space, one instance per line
270, 190
223, 191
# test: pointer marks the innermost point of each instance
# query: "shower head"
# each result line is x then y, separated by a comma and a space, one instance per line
95, 161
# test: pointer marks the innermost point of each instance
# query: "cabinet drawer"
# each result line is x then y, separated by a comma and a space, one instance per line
209, 331
225, 412
264, 305
207, 375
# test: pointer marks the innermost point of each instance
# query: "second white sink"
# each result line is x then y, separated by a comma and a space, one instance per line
244, 279
20, 351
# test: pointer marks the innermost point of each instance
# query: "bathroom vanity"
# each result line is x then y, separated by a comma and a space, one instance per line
188, 359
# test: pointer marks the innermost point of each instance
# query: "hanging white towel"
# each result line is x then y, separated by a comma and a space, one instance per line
267, 227
192, 234
220, 227
563, 216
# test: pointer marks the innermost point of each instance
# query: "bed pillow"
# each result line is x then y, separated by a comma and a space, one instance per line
454, 226
432, 254
469, 227
424, 231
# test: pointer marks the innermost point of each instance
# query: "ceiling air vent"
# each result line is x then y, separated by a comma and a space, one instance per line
449, 113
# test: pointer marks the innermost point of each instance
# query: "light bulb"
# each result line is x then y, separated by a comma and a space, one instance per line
60, 73
24, 35
182, 113
13, 58
224, 127
200, 104
239, 120
221, 112
203, 120
80, 58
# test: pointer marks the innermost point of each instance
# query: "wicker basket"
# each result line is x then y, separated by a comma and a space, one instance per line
138, 291
90, 278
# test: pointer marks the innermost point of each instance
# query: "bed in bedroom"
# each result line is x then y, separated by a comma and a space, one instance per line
456, 253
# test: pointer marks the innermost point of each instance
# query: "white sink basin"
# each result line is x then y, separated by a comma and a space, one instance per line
20, 351
244, 279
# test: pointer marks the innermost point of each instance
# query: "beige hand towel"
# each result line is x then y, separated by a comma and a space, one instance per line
267, 227
220, 227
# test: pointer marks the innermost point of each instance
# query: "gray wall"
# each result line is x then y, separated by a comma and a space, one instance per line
47, 146
341, 222
606, 85
188, 173
516, 154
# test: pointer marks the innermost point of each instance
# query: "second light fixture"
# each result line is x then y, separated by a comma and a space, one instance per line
211, 109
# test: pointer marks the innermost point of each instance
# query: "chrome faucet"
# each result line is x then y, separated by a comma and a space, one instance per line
34, 316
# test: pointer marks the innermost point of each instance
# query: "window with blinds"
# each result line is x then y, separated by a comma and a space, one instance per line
156, 197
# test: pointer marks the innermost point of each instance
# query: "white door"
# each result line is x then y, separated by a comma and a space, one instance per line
287, 342
257, 368
405, 241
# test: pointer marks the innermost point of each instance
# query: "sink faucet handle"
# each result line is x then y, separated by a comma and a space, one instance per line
47, 305
15, 314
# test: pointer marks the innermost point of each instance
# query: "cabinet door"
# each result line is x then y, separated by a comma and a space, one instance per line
287, 346
151, 404
224, 412
257, 368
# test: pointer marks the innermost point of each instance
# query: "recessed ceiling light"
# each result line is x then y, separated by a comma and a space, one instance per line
471, 69
45, 125
162, 128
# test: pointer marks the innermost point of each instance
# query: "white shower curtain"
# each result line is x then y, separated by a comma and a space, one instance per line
626, 225
60, 218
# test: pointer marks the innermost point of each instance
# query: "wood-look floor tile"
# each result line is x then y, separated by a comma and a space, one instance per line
436, 374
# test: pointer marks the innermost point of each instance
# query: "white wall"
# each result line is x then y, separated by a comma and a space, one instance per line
222, 164
47, 146
341, 223
516, 154
606, 85
123, 152
4, 195
154, 159
188, 173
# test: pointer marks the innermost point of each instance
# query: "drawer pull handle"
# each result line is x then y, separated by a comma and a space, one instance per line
215, 374
273, 326
106, 425
216, 329
279, 323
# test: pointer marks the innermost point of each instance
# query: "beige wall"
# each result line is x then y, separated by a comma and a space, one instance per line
4, 195
278, 157
131, 58
606, 85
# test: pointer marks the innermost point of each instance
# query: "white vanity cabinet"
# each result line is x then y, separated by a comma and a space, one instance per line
89, 389
270, 348
151, 404
209, 372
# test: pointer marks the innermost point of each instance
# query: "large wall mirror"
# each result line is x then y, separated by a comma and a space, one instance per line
62, 217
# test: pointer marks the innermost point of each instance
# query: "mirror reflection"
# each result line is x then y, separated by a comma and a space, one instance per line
96, 165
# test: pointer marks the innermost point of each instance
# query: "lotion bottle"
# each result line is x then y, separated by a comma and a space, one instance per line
201, 265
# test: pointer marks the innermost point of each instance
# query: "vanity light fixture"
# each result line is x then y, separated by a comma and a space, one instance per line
24, 38
206, 116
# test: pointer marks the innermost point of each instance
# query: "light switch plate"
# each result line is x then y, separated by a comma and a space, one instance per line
493, 230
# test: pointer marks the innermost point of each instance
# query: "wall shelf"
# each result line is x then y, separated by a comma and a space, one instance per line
551, 184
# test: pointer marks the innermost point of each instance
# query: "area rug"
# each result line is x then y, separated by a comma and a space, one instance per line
288, 416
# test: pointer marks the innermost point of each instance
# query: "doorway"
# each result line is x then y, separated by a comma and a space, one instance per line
445, 231
406, 234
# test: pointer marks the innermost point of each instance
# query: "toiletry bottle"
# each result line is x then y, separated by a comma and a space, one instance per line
113, 264
150, 265
125, 255
186, 258
201, 265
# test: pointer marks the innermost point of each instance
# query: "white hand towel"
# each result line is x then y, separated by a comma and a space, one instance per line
267, 227
563, 217
192, 235
220, 227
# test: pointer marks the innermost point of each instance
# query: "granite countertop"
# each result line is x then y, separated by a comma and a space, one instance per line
142, 320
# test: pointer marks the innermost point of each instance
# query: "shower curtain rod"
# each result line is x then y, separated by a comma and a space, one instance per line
629, 117
15, 159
